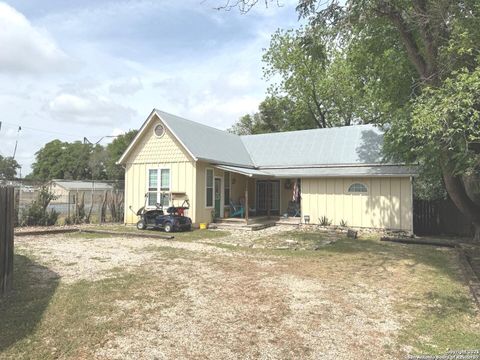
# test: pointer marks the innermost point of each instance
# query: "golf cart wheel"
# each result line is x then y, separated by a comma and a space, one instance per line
168, 227
141, 225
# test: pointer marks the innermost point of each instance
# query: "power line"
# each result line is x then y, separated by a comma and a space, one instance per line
16, 126
39, 130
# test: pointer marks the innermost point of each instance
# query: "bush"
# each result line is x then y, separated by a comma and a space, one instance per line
37, 214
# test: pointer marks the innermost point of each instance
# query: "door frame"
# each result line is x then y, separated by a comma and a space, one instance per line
215, 178
279, 195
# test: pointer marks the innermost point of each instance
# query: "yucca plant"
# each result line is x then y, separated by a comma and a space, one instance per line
324, 221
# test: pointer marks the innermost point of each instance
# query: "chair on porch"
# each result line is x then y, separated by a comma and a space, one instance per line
251, 211
293, 209
236, 209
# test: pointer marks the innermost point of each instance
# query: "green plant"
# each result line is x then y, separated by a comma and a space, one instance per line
343, 223
37, 213
323, 221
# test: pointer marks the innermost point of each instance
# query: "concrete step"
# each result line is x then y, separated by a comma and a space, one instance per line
246, 227
251, 221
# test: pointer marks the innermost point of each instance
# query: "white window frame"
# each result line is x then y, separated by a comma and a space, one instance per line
213, 188
159, 183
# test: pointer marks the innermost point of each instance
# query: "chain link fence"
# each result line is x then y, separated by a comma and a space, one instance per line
74, 201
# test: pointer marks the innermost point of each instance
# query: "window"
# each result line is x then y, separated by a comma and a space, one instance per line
159, 130
209, 187
357, 188
158, 191
226, 188
152, 187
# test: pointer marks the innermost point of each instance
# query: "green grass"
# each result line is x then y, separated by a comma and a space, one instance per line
183, 236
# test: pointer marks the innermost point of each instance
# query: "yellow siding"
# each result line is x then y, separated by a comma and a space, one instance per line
152, 152
152, 149
388, 203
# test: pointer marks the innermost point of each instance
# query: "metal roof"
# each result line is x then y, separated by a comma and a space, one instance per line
206, 142
83, 185
342, 151
356, 144
243, 171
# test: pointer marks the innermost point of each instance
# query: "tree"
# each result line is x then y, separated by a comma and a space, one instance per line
314, 85
274, 114
445, 121
62, 160
438, 40
8, 168
113, 152
316, 76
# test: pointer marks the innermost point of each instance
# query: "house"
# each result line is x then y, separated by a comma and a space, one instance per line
337, 173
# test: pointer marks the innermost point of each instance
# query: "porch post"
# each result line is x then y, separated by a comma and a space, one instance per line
269, 197
246, 200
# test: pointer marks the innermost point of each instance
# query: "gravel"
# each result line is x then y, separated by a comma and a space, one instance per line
233, 305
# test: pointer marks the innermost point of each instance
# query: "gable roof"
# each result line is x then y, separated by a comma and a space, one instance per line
207, 143
341, 147
353, 145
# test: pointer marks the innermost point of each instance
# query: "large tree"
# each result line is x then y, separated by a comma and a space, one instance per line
275, 114
440, 40
8, 168
62, 160
113, 152
80, 161
418, 62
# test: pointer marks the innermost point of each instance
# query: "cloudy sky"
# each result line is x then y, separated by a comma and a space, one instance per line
91, 68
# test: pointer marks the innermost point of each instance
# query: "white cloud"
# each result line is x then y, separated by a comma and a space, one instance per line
25, 48
89, 109
126, 86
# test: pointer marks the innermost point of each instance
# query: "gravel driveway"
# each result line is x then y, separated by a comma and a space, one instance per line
235, 303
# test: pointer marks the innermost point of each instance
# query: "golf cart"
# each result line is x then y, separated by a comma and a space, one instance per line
170, 219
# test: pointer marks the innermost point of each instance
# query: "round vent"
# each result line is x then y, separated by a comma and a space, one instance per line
159, 130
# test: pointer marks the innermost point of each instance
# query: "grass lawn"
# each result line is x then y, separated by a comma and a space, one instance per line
184, 236
86, 296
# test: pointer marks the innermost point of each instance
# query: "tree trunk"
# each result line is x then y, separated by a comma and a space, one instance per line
458, 194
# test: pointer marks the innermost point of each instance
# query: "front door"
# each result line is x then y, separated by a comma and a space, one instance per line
218, 196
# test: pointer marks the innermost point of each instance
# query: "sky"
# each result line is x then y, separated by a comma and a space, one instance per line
95, 68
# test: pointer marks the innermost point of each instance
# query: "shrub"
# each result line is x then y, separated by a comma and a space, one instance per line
37, 214
343, 223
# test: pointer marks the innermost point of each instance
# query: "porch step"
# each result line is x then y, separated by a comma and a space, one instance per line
244, 226
251, 221
289, 221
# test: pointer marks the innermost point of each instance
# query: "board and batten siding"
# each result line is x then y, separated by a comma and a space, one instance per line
153, 152
387, 204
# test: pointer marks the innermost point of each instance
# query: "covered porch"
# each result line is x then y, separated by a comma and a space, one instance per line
250, 197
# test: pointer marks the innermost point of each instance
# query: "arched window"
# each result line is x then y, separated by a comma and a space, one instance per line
357, 188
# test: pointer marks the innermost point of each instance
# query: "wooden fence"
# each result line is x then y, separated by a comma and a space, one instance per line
6, 238
436, 217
